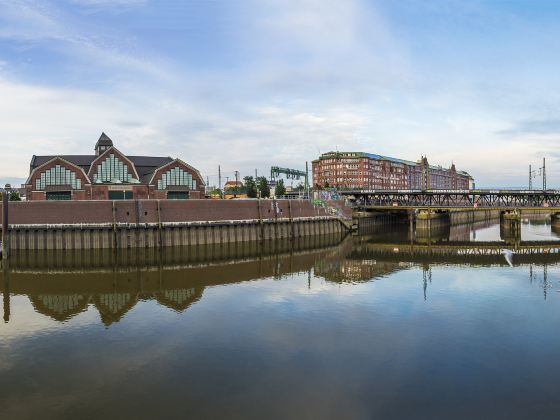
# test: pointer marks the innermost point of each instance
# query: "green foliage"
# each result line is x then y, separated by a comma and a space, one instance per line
238, 189
262, 186
250, 187
14, 196
214, 191
280, 188
300, 187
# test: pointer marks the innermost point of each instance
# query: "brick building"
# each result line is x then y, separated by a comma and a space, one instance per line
367, 171
111, 175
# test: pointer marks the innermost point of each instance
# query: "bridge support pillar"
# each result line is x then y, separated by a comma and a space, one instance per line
510, 226
555, 220
431, 226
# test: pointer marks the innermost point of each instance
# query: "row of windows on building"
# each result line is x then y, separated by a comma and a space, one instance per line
110, 171
58, 175
176, 177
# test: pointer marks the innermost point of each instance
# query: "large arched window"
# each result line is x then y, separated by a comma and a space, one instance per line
58, 175
176, 177
112, 170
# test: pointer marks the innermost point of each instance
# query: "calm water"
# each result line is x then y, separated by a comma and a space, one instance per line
322, 330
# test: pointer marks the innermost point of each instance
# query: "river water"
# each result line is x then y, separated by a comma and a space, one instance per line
377, 326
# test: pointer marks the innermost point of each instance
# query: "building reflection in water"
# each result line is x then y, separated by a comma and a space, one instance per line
61, 286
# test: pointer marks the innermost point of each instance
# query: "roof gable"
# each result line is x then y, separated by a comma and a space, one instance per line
52, 159
174, 161
105, 154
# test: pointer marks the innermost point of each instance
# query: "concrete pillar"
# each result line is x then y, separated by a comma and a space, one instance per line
510, 226
431, 226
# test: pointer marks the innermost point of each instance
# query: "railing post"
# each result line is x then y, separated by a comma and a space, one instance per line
5, 235
6, 271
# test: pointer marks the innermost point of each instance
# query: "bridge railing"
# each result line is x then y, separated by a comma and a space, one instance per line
457, 199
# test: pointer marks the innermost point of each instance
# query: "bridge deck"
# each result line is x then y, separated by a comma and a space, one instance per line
461, 199
454, 208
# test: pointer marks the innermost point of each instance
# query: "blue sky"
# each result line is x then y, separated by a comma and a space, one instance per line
252, 83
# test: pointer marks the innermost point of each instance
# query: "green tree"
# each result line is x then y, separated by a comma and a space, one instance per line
262, 186
215, 191
280, 188
300, 187
14, 196
250, 187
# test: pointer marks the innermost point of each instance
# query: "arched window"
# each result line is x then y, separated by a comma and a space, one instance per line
58, 175
176, 176
111, 170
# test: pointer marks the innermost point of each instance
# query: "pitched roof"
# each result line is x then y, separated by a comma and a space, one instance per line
83, 161
145, 165
104, 140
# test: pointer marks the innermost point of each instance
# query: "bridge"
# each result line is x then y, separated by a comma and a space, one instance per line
432, 208
537, 200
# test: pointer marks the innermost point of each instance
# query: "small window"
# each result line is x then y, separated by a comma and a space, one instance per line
177, 195
120, 195
59, 195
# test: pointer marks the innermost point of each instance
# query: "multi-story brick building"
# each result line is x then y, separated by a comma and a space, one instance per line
367, 171
111, 175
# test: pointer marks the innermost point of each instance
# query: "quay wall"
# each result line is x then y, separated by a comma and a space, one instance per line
371, 222
459, 217
62, 225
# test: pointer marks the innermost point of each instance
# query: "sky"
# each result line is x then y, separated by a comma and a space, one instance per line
250, 84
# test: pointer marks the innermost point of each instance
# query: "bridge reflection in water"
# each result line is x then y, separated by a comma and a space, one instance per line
62, 286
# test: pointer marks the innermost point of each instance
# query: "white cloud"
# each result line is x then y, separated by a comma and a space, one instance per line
45, 25
308, 76
69, 121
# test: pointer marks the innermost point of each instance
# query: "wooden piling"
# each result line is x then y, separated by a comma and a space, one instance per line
5, 234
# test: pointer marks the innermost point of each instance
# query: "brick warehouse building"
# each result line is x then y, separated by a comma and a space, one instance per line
111, 175
367, 171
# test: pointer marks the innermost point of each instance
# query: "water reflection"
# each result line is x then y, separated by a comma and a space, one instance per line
329, 328
62, 286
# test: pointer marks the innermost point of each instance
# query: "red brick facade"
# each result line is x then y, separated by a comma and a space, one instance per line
148, 211
364, 171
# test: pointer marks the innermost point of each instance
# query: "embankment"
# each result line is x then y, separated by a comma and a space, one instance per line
63, 225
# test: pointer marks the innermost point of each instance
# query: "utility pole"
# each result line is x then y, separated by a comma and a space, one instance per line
307, 181
544, 174
219, 178
530, 178
236, 183
542, 171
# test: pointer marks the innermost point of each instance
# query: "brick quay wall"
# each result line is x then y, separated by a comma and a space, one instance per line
62, 225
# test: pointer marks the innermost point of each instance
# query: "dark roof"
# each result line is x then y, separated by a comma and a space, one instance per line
104, 140
83, 161
145, 165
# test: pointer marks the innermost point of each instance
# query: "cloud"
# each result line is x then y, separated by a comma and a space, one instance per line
70, 120
541, 126
309, 49
255, 83
83, 46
